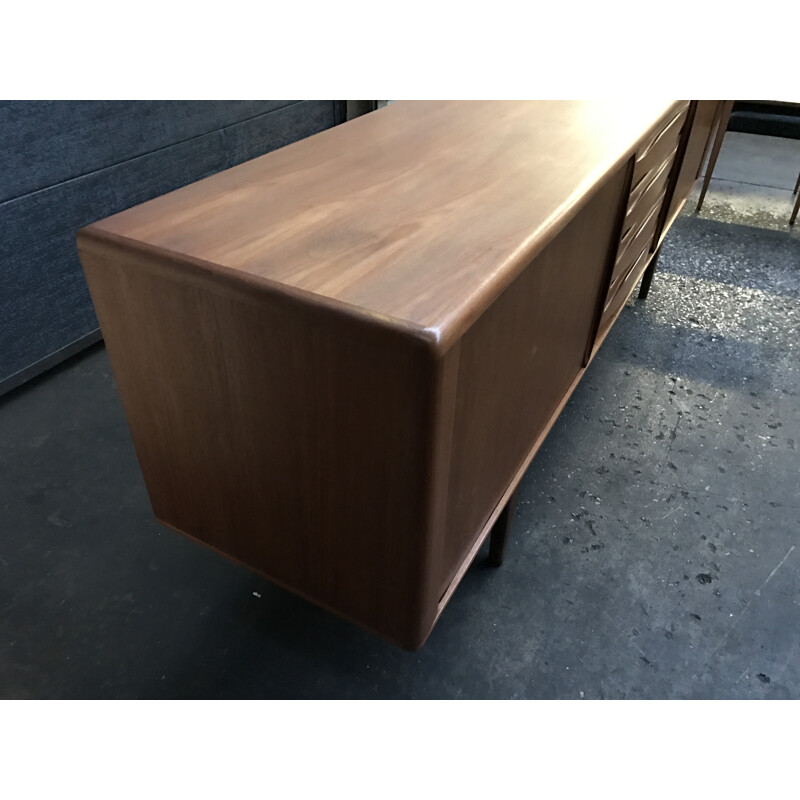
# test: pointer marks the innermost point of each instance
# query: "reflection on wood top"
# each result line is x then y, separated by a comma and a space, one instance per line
420, 213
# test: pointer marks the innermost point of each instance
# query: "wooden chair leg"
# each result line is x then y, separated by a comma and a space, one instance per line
797, 185
498, 538
647, 278
796, 208
724, 117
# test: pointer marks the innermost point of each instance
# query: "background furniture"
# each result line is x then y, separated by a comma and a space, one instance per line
765, 118
65, 164
344, 393
723, 116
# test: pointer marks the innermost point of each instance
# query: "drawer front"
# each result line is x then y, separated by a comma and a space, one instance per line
659, 130
650, 188
624, 265
624, 286
658, 149
637, 237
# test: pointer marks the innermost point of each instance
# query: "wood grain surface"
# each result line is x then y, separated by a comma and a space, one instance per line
422, 212
292, 439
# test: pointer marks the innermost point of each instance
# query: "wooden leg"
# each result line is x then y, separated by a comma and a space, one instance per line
647, 278
796, 209
724, 117
797, 185
499, 535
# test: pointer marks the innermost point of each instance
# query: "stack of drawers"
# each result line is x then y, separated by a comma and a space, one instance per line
651, 171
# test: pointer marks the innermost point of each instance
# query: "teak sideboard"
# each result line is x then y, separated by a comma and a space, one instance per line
338, 359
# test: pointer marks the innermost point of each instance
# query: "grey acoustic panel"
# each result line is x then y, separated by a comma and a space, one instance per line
44, 302
43, 143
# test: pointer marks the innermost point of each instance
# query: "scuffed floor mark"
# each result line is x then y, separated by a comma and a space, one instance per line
757, 593
772, 574
56, 519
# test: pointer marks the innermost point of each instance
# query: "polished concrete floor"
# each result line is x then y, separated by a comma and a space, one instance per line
654, 553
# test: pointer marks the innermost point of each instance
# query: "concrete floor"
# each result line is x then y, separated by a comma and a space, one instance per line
654, 553
753, 181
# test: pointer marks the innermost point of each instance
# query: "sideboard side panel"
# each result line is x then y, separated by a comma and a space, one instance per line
519, 360
290, 438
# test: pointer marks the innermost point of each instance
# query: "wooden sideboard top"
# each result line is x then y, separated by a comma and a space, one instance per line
417, 215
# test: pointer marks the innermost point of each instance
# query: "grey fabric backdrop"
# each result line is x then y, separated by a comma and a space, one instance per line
66, 164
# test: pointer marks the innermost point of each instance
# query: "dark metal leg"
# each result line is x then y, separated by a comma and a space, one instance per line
796, 209
647, 278
499, 535
797, 185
